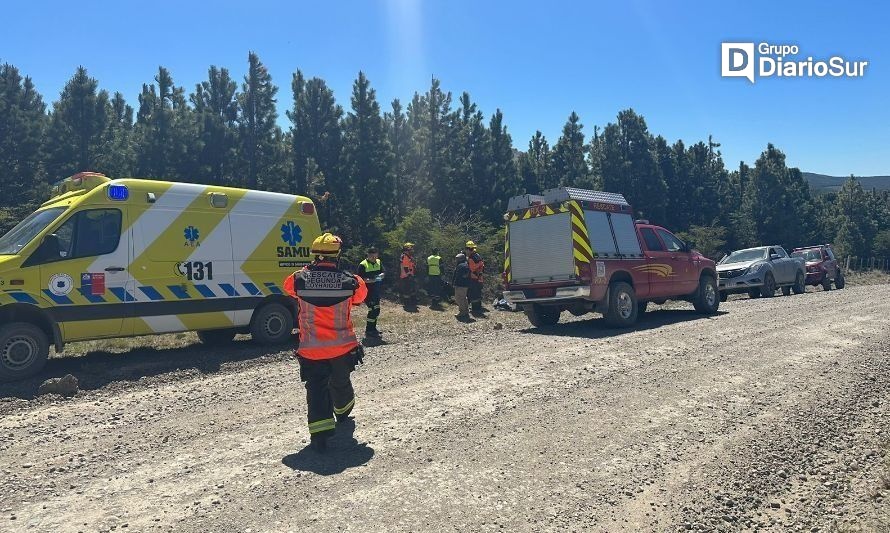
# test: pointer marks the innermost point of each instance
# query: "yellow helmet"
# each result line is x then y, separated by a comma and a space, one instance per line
409, 245
471, 244
326, 244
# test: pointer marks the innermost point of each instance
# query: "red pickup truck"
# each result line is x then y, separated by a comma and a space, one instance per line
822, 266
580, 251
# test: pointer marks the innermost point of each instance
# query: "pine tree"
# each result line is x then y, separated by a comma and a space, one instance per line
595, 160
671, 162
215, 103
776, 203
569, 164
316, 135
852, 220
630, 168
399, 137
260, 136
535, 165
118, 155
166, 132
22, 126
505, 180
430, 118
77, 126
471, 159
366, 159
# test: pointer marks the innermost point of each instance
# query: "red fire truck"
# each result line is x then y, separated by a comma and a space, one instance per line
581, 251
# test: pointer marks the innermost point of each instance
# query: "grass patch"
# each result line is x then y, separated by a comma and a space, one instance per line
867, 277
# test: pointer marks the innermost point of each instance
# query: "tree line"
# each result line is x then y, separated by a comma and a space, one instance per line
436, 160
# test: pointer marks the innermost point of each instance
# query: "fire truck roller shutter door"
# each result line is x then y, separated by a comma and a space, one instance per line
542, 248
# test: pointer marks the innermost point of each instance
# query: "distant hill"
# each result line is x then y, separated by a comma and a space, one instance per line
823, 183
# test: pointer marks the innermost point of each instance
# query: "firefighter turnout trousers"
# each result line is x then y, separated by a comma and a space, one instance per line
329, 393
373, 303
475, 295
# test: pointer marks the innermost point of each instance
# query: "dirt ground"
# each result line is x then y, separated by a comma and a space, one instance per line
771, 415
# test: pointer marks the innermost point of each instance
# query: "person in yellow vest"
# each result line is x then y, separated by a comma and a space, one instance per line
434, 278
371, 270
477, 267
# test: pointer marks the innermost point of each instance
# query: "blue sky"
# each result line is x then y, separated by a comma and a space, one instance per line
537, 61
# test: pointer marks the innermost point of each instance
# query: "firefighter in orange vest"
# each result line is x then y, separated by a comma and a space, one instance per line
477, 267
328, 350
407, 279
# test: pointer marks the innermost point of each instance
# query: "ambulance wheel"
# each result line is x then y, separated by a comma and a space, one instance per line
272, 324
216, 337
24, 349
623, 309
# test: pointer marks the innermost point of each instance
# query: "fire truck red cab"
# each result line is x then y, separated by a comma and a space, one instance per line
581, 251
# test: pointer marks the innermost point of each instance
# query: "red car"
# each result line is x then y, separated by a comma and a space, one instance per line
822, 266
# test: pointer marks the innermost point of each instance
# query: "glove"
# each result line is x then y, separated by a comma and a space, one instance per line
359, 354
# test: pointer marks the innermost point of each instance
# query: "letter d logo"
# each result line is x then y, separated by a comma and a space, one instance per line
737, 60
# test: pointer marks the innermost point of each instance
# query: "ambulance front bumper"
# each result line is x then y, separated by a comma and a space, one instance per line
560, 294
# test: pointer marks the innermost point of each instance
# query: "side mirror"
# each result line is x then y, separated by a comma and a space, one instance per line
773, 257
688, 246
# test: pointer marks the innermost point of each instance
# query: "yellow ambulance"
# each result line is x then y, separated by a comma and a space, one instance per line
118, 258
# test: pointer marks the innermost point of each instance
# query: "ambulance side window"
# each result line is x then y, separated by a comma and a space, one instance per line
88, 233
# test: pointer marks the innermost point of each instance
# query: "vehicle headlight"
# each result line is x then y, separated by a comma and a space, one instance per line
754, 269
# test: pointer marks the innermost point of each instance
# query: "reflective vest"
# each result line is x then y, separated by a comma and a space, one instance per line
370, 270
477, 266
326, 296
433, 265
407, 266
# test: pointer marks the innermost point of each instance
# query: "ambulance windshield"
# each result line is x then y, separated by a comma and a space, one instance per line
19, 236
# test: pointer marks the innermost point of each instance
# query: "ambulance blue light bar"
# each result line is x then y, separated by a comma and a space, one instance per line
118, 192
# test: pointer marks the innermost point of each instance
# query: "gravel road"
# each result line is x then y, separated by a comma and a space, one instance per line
772, 415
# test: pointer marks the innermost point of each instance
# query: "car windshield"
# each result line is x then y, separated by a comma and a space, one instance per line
808, 255
744, 256
19, 236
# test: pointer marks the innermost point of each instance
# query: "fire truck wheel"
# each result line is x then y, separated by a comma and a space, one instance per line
272, 324
623, 310
707, 299
541, 316
24, 349
216, 337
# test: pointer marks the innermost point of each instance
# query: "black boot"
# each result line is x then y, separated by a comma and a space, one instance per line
319, 443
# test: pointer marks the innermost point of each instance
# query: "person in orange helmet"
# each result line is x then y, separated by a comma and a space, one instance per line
329, 350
